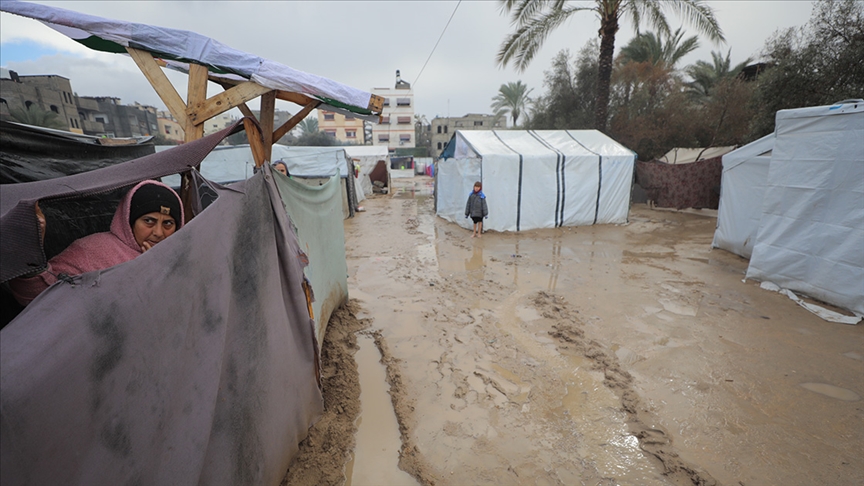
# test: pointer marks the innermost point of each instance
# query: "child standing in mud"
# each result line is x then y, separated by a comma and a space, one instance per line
476, 209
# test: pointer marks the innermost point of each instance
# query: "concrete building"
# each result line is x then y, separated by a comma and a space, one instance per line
47, 92
169, 128
396, 129
443, 127
346, 129
117, 120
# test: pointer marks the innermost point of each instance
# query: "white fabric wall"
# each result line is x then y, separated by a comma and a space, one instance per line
811, 236
561, 171
456, 179
367, 156
742, 188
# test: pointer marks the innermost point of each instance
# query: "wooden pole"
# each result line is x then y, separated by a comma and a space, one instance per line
268, 111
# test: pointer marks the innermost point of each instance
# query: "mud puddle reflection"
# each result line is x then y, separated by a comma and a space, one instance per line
376, 455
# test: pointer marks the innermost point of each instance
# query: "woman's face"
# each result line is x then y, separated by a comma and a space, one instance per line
281, 169
476, 188
152, 228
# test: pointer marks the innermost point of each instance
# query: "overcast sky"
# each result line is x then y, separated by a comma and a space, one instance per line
358, 43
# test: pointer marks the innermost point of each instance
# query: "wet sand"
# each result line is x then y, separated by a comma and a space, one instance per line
629, 354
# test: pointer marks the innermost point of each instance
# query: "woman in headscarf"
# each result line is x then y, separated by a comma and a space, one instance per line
147, 214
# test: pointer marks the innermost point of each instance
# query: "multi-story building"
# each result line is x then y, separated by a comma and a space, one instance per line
169, 127
219, 122
443, 127
117, 120
396, 128
346, 129
47, 92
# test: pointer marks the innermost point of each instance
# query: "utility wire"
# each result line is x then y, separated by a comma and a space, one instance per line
436, 43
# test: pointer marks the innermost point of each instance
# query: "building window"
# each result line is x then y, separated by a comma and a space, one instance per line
81, 115
403, 120
329, 117
404, 137
350, 133
384, 138
445, 128
439, 128
478, 123
167, 130
101, 119
348, 117
332, 133
385, 120
403, 101
386, 101
439, 145
54, 109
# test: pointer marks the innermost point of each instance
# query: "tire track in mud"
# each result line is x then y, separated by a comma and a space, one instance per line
567, 329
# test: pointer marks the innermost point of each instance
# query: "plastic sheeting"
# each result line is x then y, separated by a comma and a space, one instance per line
316, 213
536, 179
29, 153
182, 45
681, 155
811, 233
742, 187
194, 363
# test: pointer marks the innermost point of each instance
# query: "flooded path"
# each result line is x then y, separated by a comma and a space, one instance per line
610, 354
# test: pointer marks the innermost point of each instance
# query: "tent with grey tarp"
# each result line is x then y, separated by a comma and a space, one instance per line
536, 178
312, 165
195, 363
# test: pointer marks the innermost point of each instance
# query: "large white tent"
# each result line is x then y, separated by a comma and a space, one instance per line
811, 231
742, 187
536, 179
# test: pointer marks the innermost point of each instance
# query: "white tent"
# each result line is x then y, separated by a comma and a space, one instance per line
681, 155
811, 232
367, 157
742, 186
313, 164
536, 179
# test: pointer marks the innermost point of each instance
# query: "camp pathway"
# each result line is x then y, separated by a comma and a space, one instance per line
627, 354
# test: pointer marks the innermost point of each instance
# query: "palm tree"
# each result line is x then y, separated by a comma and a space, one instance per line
512, 98
308, 125
38, 117
534, 20
706, 75
650, 47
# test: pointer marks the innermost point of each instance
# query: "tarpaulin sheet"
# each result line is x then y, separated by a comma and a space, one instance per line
194, 363
111, 35
34, 154
316, 213
693, 185
742, 187
811, 234
536, 179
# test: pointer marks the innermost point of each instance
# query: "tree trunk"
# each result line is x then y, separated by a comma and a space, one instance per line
608, 29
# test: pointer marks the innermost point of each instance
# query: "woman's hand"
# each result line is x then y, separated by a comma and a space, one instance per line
146, 245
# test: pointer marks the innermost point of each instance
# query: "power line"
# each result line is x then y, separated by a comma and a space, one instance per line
436, 43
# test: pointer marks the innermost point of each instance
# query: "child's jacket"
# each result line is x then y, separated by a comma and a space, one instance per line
476, 206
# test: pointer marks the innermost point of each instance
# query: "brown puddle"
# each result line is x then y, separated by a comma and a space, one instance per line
376, 455
832, 391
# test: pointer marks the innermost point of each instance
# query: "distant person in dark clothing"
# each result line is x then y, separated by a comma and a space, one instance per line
476, 209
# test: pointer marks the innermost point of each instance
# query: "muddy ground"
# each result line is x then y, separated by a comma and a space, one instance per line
615, 354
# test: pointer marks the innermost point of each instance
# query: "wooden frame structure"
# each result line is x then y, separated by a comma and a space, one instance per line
198, 108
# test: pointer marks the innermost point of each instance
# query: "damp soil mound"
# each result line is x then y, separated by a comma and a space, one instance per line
325, 451
567, 329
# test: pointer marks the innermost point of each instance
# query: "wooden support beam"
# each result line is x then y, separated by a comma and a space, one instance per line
196, 94
297, 118
376, 103
256, 142
298, 98
247, 112
231, 98
173, 101
268, 111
